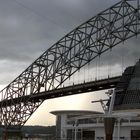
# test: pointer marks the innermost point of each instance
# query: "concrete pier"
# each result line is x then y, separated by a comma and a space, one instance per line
109, 127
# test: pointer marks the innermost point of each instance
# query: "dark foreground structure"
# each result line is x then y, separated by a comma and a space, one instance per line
61, 61
28, 133
48, 73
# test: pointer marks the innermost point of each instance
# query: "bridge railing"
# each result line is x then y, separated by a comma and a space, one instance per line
90, 79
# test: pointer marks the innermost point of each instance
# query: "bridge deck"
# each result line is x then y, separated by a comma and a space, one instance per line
65, 91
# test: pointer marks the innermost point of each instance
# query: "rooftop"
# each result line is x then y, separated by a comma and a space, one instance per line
75, 112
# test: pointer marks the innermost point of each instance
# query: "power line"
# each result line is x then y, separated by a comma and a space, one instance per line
37, 13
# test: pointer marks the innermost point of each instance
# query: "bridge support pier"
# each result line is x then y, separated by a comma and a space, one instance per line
109, 127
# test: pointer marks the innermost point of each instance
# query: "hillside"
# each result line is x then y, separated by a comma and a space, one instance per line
39, 130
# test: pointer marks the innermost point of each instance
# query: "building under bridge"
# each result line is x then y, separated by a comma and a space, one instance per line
121, 114
89, 125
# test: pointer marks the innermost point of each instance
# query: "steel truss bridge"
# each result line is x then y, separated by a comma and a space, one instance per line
45, 76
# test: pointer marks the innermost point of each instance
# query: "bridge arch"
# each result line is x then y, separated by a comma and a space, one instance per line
79, 47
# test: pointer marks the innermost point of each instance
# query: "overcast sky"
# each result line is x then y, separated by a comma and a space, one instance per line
29, 27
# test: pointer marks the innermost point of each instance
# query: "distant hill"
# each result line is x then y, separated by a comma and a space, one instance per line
39, 130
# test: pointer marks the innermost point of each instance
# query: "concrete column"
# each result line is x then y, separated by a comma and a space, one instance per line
109, 127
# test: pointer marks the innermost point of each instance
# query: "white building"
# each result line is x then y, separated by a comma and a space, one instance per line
89, 125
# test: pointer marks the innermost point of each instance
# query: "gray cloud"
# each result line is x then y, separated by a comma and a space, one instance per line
31, 26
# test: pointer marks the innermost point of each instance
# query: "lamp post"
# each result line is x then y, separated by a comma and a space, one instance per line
75, 129
119, 120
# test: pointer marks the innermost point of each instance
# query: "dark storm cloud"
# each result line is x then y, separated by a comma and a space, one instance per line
29, 27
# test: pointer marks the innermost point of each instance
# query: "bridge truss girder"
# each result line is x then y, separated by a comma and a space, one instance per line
79, 47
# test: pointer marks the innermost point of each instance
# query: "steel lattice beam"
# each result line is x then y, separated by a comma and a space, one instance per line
84, 87
82, 45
